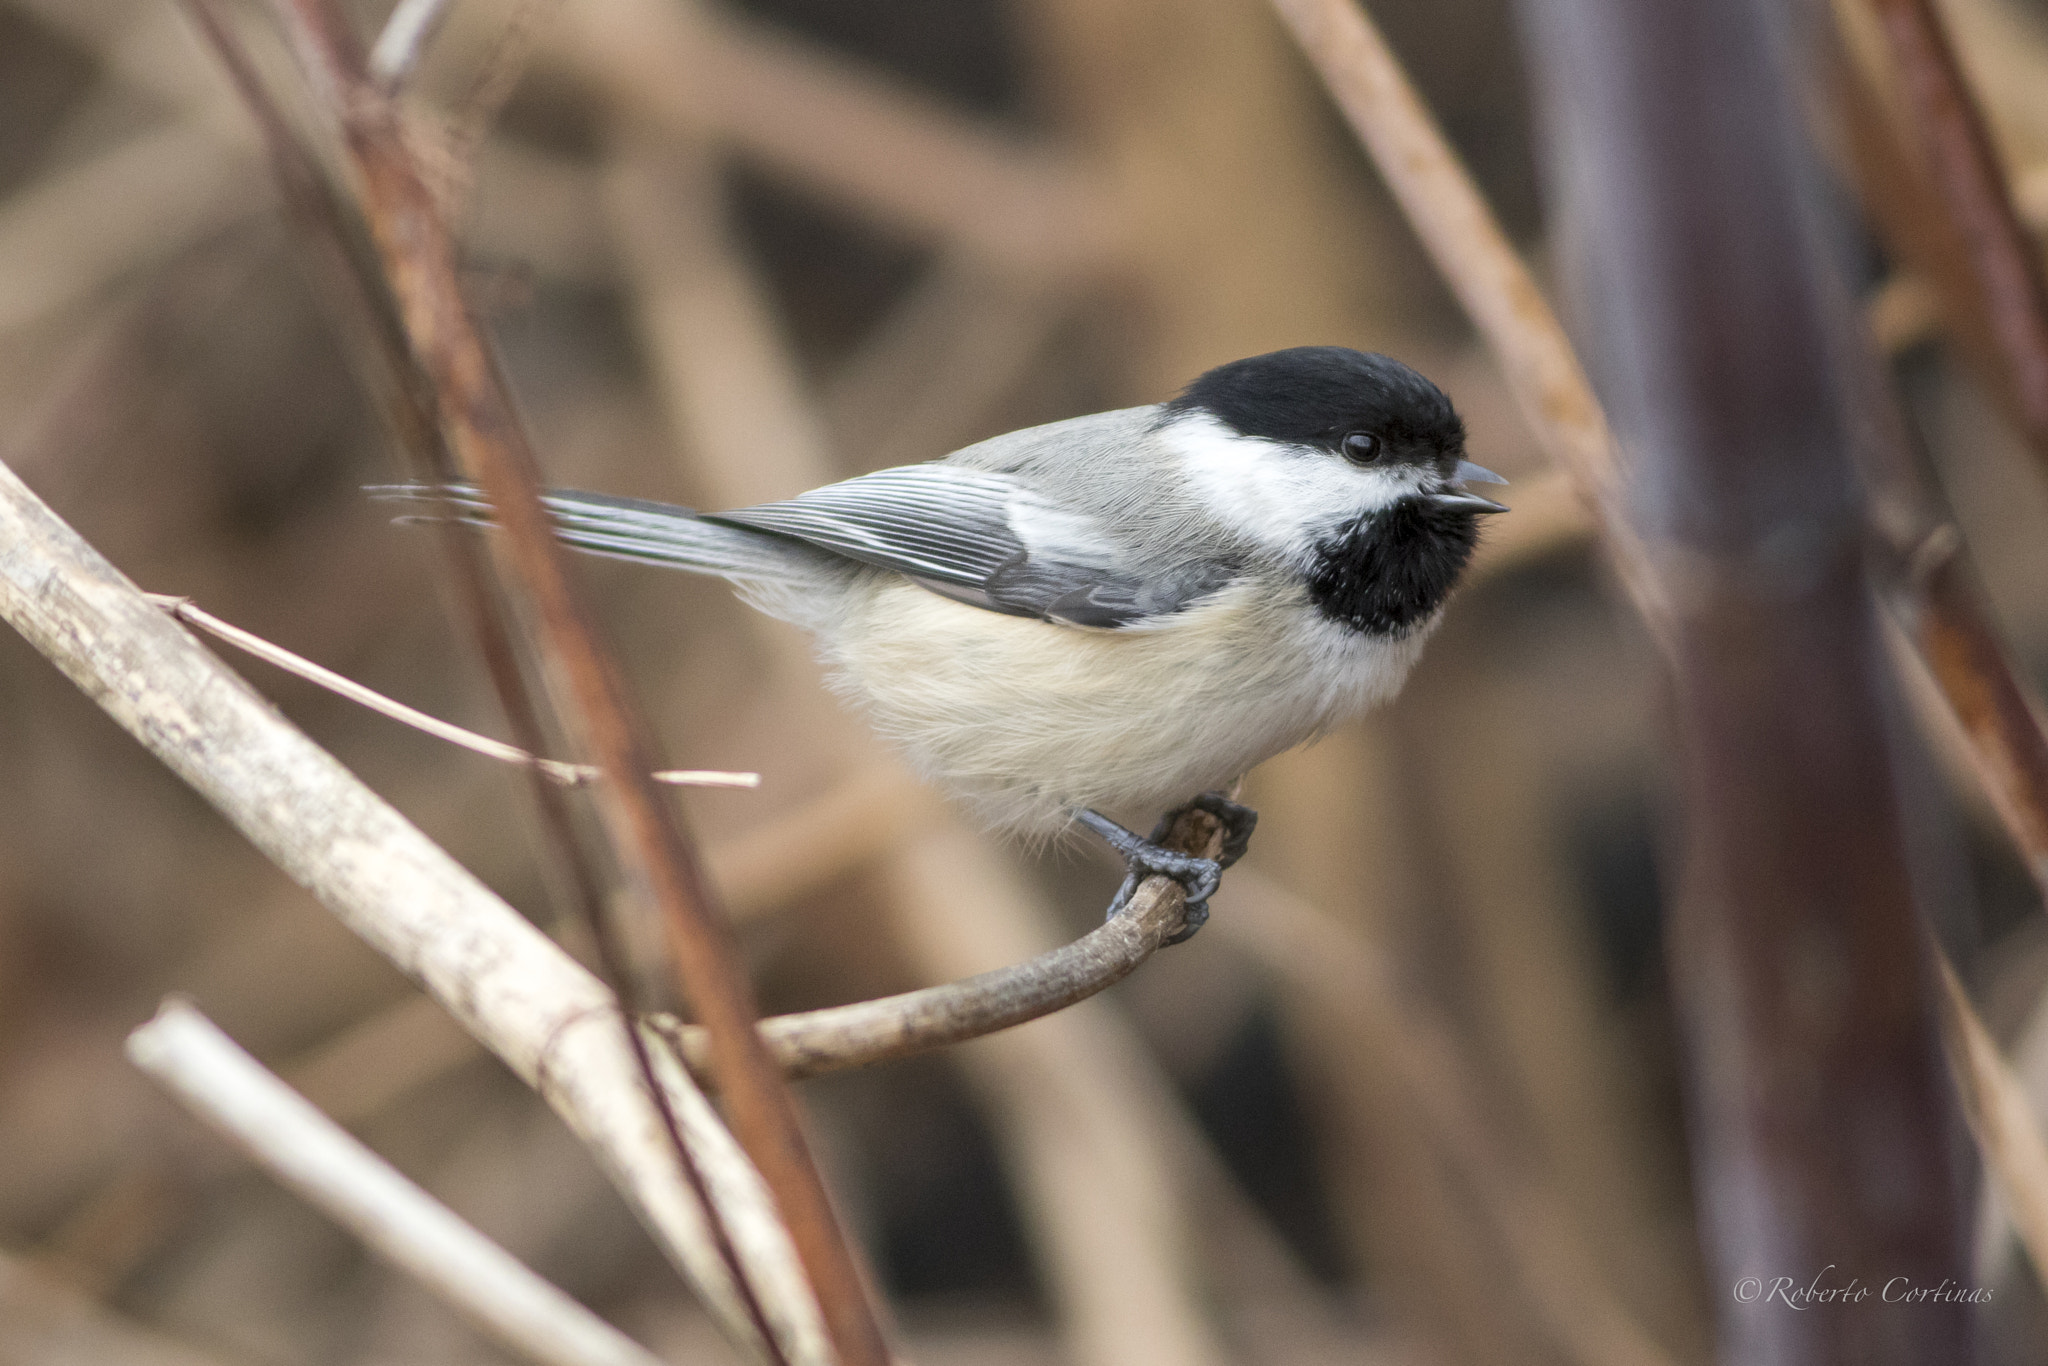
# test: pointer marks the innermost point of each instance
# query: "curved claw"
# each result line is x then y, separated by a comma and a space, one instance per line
1238, 822
1197, 916
1198, 877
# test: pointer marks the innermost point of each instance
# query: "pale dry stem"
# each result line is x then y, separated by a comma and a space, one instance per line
285, 1134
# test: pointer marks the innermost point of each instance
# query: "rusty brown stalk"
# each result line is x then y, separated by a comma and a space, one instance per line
403, 394
1943, 606
347, 274
482, 428
1954, 146
350, 280
1904, 207
1929, 578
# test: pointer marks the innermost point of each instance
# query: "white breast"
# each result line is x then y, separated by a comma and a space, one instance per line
1028, 720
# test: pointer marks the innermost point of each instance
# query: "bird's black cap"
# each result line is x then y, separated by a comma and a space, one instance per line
1314, 395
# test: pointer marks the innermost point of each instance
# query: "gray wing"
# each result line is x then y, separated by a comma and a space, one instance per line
985, 538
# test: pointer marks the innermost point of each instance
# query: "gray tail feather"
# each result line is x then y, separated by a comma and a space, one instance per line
629, 529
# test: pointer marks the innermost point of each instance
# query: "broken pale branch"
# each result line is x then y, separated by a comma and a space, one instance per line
550, 1021
2001, 1118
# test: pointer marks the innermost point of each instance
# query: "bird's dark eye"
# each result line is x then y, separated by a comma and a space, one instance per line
1361, 448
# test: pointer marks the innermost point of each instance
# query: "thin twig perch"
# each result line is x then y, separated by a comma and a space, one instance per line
841, 1037
1079, 1139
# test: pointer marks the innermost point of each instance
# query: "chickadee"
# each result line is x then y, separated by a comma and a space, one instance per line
1119, 611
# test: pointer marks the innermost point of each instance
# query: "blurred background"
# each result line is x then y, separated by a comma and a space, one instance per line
1423, 1056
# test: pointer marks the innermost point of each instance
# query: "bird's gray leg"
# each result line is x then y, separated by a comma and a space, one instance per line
1198, 876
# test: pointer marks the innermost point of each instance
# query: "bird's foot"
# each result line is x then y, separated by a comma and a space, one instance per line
1238, 822
1197, 876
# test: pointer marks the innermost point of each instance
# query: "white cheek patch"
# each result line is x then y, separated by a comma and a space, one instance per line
1279, 496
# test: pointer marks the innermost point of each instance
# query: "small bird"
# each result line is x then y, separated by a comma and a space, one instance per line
1119, 612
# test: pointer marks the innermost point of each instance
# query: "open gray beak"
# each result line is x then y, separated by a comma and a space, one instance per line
1465, 499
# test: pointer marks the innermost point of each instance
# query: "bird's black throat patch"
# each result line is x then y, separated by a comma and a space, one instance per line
1392, 569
